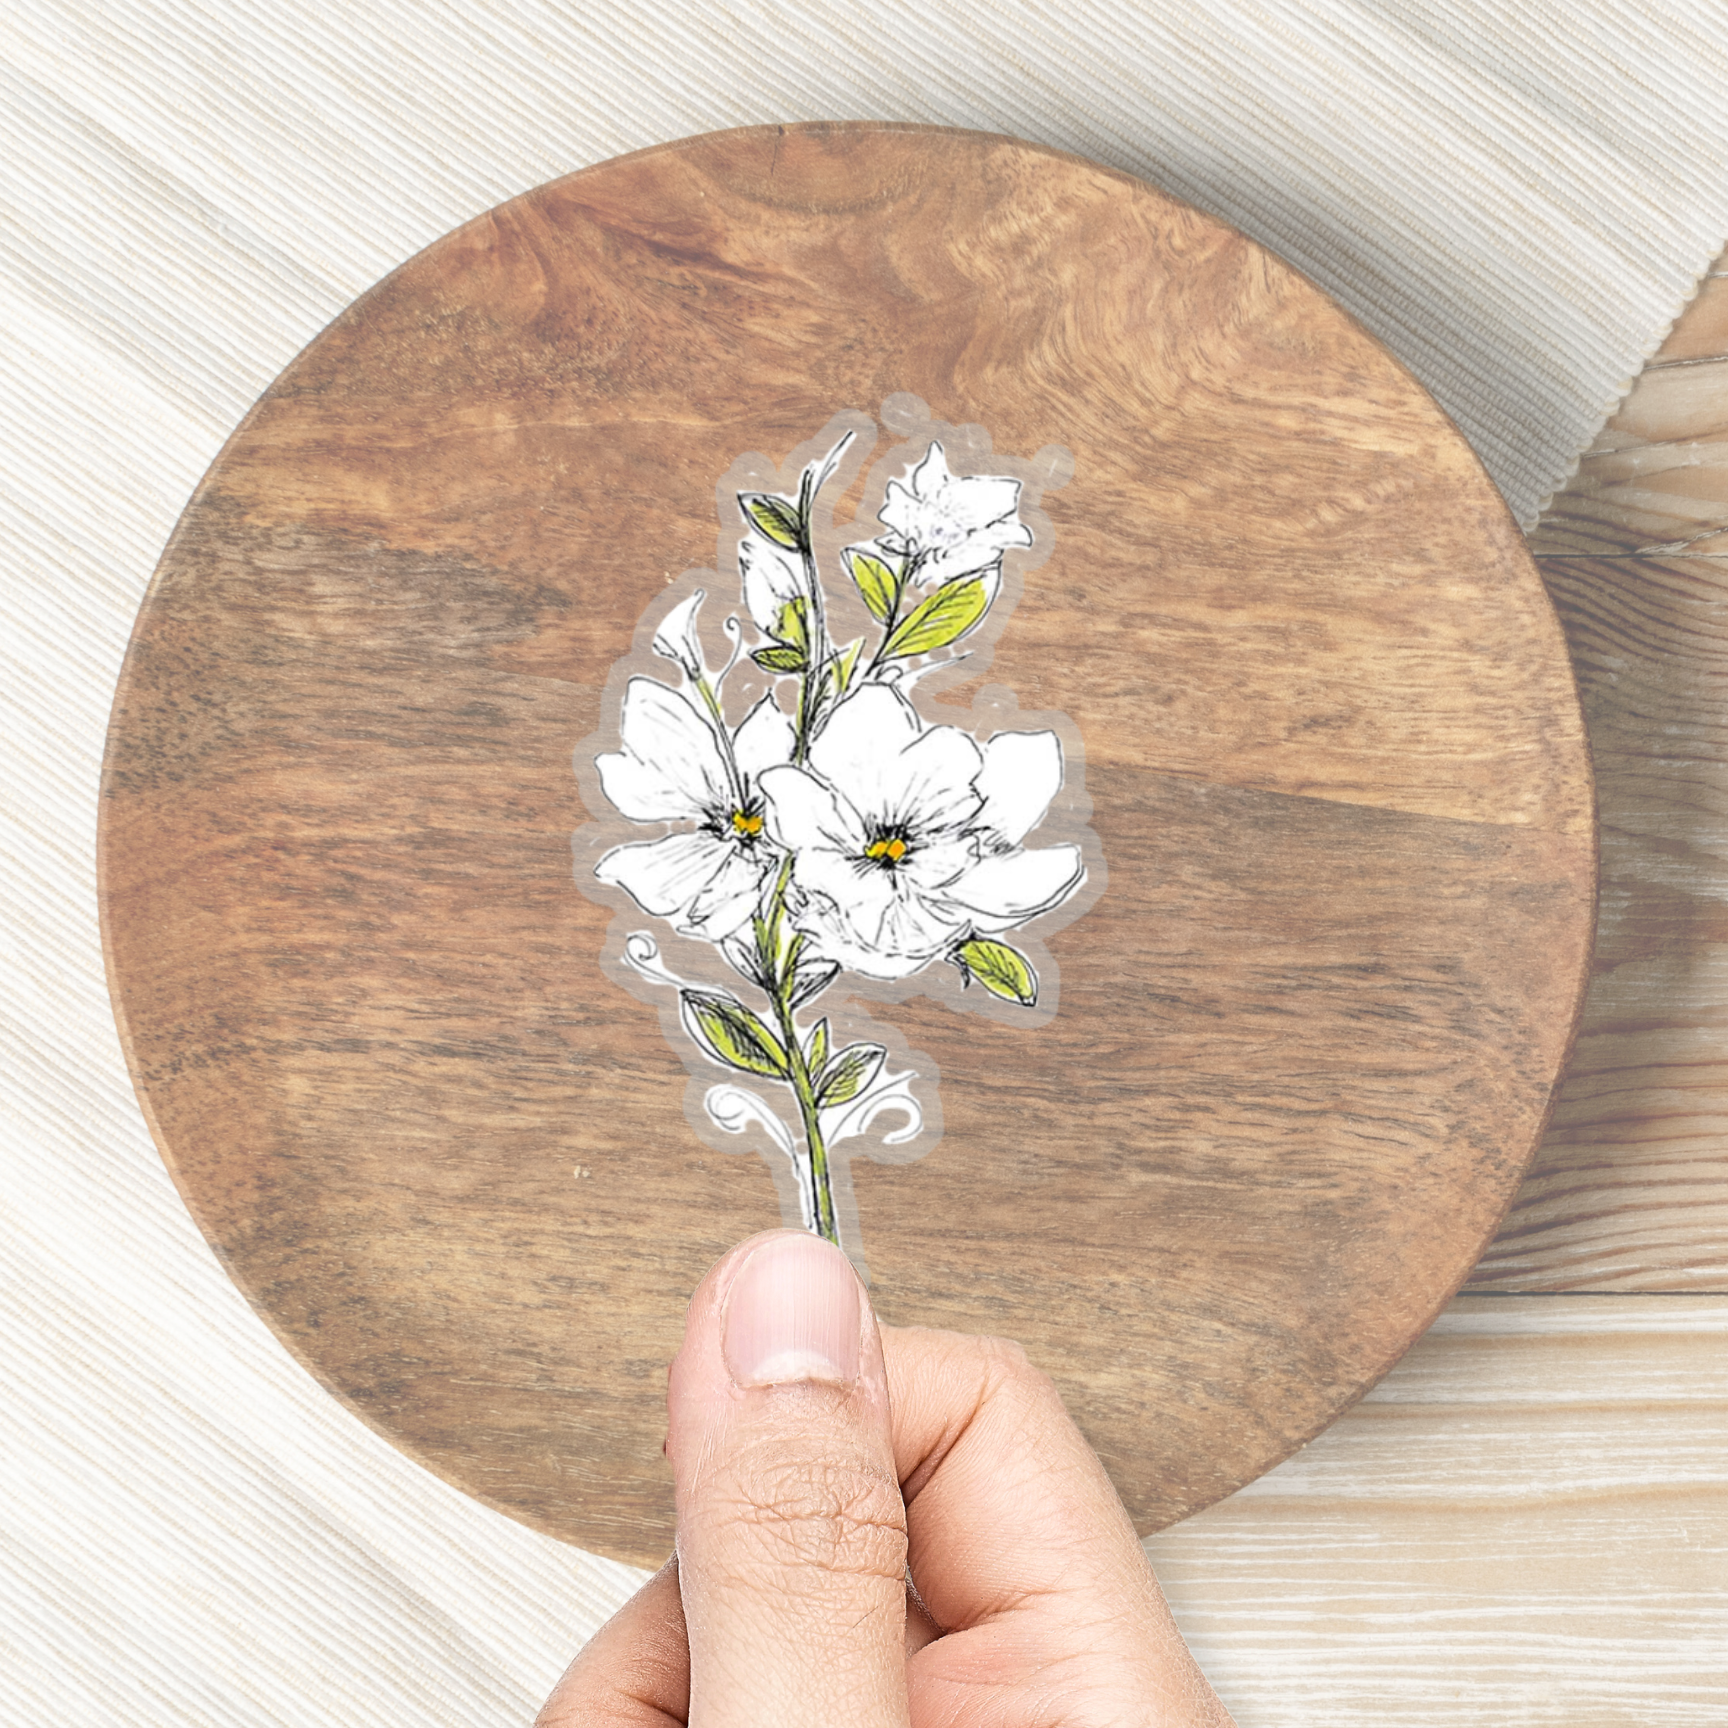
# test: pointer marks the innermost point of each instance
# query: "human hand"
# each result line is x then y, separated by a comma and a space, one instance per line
816, 1459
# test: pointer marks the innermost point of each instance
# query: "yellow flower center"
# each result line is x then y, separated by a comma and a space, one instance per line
746, 824
893, 849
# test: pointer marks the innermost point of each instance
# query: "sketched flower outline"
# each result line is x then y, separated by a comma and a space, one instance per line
948, 524
896, 858
830, 829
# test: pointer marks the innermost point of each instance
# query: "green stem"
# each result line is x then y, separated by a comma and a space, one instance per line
784, 970
817, 650
906, 581
816, 653
818, 610
821, 1187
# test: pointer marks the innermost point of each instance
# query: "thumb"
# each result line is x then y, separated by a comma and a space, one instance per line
791, 1529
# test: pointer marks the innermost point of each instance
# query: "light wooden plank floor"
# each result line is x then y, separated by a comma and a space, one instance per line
1525, 1526
1630, 1191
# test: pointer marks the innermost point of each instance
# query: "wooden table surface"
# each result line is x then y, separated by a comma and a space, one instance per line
1308, 1033
1527, 1521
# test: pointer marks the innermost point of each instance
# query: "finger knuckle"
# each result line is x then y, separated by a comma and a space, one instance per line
837, 1517
1007, 1367
1007, 1356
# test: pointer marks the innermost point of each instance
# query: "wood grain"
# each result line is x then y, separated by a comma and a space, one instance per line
1524, 1524
1307, 1038
1630, 1189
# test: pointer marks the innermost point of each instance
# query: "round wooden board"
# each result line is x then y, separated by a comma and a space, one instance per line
1307, 1036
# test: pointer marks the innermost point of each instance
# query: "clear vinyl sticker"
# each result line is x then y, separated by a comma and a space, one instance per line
795, 829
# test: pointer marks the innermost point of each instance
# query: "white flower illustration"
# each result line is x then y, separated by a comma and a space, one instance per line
948, 525
708, 880
1010, 886
679, 636
772, 580
887, 830
837, 831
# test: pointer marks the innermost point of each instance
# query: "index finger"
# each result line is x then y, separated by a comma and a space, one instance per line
1022, 1552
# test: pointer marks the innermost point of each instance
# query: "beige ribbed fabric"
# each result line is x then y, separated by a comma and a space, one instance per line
1516, 197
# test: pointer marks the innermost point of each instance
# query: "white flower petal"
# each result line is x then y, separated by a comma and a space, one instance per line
967, 557
915, 926
1022, 773
679, 636
731, 896
931, 474
974, 504
872, 921
1008, 890
905, 509
929, 784
771, 576
861, 895
859, 749
804, 815
644, 793
928, 869
832, 939
765, 739
664, 876
670, 769
899, 515
943, 565
986, 501
951, 524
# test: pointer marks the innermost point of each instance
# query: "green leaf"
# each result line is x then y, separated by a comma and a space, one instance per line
844, 664
779, 659
1002, 970
816, 1051
813, 979
850, 1073
745, 955
764, 951
792, 626
777, 519
831, 687
945, 617
821, 700
818, 474
732, 1034
878, 584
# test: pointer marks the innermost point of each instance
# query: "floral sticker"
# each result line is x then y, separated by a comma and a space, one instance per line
820, 833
